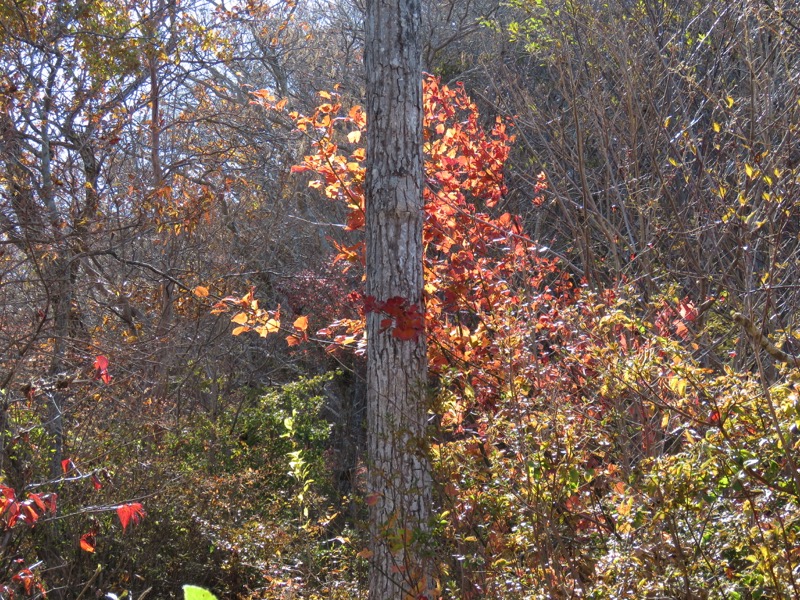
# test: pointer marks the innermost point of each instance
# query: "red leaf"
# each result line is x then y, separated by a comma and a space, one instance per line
371, 304
12, 509
96, 482
25, 577
29, 515
8, 492
66, 465
88, 542
101, 369
405, 335
130, 513
688, 310
51, 501
37, 499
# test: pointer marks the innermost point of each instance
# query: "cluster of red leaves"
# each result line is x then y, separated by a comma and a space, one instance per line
13, 510
130, 513
676, 319
403, 318
27, 580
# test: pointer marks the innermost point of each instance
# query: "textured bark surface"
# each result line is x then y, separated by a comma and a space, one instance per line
399, 478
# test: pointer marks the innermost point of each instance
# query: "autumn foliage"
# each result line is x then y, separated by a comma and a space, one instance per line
566, 415
610, 301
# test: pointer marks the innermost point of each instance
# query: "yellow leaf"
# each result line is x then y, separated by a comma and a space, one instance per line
240, 330
301, 323
678, 385
354, 137
749, 170
730, 102
624, 507
325, 95
240, 319
716, 127
201, 292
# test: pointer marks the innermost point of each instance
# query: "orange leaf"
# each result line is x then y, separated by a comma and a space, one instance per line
239, 319
240, 330
292, 340
88, 542
201, 291
301, 323
30, 516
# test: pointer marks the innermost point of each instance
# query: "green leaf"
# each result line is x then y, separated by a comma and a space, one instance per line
192, 592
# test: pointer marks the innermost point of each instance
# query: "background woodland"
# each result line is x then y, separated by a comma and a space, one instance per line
612, 259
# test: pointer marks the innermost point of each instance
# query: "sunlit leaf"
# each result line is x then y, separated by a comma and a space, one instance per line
132, 512
301, 323
192, 592
240, 318
88, 542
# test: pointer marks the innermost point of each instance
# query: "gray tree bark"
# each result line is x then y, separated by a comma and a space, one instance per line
399, 473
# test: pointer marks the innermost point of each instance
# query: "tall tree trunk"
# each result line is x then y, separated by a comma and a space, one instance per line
399, 473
